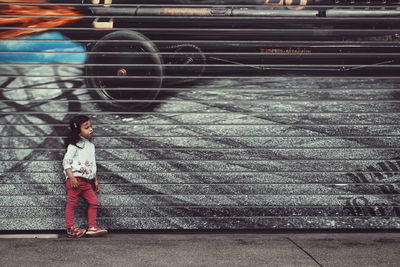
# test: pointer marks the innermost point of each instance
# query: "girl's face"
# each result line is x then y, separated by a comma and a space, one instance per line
86, 129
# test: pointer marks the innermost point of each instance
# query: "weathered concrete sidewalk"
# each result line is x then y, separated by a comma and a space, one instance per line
210, 249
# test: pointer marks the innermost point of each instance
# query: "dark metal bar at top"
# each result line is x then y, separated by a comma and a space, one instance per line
247, 2
197, 11
288, 3
219, 11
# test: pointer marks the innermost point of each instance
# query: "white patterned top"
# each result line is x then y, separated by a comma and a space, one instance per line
81, 161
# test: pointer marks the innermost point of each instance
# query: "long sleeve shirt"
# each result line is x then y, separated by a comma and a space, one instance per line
82, 160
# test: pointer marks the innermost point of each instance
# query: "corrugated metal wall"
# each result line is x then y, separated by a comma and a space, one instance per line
268, 116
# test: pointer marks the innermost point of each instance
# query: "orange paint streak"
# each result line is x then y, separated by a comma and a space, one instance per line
34, 22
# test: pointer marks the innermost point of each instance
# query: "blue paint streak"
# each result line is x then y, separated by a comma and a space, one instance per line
35, 48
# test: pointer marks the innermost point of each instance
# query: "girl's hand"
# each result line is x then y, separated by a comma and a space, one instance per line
96, 185
74, 183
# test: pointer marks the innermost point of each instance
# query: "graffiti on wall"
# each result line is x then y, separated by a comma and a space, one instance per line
226, 142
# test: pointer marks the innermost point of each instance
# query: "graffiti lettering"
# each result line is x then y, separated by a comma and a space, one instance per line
288, 51
360, 206
389, 189
378, 173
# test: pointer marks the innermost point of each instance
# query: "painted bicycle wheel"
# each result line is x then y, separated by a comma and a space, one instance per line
125, 70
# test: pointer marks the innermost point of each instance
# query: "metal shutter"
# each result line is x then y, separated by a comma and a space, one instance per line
235, 114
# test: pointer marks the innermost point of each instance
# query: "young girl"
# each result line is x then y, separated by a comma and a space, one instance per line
80, 170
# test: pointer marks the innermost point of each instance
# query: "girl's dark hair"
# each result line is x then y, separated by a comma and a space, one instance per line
75, 126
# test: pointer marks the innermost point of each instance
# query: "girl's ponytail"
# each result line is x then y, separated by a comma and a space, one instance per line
75, 129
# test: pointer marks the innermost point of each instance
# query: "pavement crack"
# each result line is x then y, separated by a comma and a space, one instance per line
305, 251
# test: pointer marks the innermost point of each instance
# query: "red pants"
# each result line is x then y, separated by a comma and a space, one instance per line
85, 189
